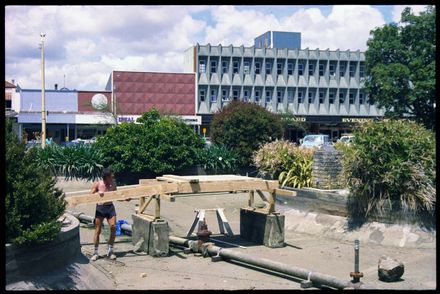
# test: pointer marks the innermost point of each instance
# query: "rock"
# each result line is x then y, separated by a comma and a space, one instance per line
143, 275
390, 269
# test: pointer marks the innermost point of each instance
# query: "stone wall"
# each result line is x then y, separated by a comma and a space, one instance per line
327, 168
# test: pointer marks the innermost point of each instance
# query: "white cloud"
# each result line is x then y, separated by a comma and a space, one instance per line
87, 42
346, 27
397, 10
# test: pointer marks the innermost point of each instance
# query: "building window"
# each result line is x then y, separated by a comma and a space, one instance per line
213, 66
361, 70
310, 97
235, 94
8, 103
224, 67
311, 69
268, 68
321, 97
235, 66
280, 97
300, 69
290, 96
351, 98
202, 95
361, 98
257, 95
290, 68
331, 98
224, 95
213, 96
300, 97
246, 67
202, 66
321, 69
341, 98
341, 70
257, 68
245, 95
279, 68
351, 70
268, 98
332, 69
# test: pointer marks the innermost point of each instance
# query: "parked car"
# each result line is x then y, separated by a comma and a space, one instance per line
33, 143
346, 139
318, 140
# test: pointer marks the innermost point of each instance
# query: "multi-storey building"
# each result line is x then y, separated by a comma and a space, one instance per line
320, 87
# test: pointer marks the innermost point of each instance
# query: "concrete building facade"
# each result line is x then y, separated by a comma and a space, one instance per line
321, 87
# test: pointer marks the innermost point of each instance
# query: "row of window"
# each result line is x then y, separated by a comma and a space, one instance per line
268, 68
257, 96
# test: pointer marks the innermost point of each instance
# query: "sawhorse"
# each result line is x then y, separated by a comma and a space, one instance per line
221, 218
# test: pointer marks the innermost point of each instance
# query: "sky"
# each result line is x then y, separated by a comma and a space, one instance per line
84, 44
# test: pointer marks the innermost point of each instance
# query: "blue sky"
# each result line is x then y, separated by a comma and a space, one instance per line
85, 46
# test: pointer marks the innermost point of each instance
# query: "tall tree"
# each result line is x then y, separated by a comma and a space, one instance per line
400, 66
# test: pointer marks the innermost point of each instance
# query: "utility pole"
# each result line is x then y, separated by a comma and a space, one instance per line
43, 106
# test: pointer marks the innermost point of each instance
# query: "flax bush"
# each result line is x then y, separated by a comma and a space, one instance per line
285, 161
219, 159
391, 166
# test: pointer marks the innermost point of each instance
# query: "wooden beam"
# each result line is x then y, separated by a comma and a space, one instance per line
284, 192
137, 192
226, 186
251, 198
144, 205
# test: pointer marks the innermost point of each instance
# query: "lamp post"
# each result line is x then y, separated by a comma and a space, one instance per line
43, 106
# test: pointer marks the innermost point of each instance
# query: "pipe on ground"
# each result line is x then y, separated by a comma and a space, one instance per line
87, 218
315, 277
225, 253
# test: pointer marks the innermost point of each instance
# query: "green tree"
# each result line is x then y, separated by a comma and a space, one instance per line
156, 144
33, 203
400, 66
244, 126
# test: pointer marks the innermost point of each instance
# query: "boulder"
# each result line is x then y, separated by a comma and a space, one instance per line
390, 269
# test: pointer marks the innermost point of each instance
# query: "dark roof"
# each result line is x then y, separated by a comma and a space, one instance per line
9, 85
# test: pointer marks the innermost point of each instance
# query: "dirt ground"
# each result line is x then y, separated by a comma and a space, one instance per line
191, 271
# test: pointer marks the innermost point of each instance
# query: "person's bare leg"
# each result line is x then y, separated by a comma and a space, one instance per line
112, 224
98, 226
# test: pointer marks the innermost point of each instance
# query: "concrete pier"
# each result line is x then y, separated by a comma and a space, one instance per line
152, 233
265, 229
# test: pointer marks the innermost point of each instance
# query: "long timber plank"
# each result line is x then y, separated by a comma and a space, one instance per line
138, 192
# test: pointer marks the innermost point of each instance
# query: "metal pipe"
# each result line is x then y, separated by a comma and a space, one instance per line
81, 216
356, 256
305, 274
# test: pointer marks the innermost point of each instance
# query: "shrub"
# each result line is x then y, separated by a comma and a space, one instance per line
33, 203
243, 126
274, 157
156, 144
300, 173
72, 162
391, 163
219, 159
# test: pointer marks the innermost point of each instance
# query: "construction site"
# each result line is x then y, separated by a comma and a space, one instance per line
230, 232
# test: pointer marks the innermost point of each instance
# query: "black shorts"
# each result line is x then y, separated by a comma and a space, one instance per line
105, 211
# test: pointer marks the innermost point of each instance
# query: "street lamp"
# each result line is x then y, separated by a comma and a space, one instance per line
43, 110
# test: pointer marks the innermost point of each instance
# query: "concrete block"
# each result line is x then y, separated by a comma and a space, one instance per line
154, 234
266, 229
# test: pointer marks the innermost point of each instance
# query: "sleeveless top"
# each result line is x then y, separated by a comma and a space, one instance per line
103, 188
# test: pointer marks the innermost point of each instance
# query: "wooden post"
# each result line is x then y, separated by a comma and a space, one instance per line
251, 198
271, 200
157, 212
141, 203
